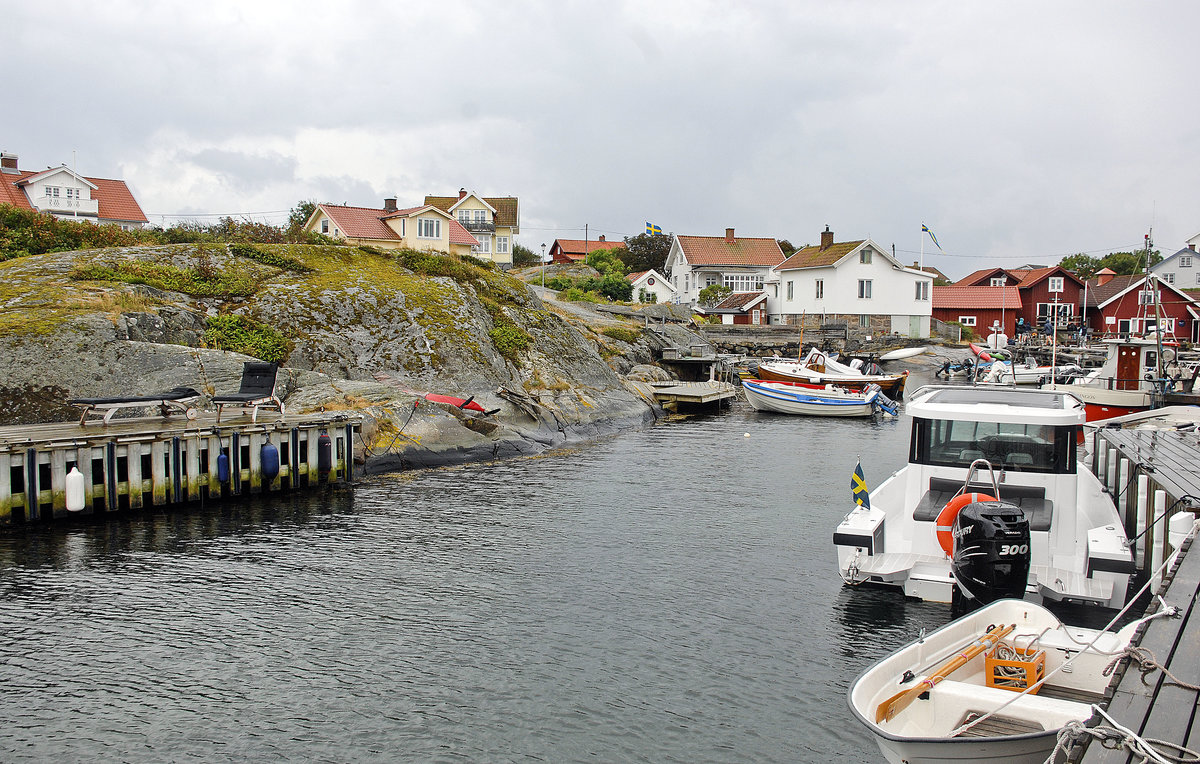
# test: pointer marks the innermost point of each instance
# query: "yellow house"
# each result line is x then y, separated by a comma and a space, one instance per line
493, 220
421, 228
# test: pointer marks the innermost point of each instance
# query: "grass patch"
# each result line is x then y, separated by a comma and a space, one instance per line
247, 336
258, 254
629, 336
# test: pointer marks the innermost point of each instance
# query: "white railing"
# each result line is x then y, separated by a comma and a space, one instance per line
63, 204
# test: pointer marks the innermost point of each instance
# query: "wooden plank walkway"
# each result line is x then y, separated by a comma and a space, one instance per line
1153, 706
695, 393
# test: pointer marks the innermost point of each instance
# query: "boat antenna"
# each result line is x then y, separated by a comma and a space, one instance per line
1152, 282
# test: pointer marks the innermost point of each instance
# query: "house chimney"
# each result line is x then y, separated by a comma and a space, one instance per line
389, 205
729, 236
8, 162
1104, 276
1192, 247
462, 192
826, 238
601, 237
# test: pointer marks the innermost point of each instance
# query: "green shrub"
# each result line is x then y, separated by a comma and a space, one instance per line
510, 340
282, 262
247, 336
205, 280
621, 333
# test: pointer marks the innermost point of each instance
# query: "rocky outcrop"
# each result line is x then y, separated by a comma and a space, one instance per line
367, 331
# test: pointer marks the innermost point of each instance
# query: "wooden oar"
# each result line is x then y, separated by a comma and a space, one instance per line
889, 708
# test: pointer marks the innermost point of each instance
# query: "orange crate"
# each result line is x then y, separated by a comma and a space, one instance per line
1027, 668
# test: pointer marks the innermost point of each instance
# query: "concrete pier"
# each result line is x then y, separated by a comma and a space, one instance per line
134, 463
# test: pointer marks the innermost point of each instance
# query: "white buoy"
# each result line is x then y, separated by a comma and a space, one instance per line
745, 435
75, 497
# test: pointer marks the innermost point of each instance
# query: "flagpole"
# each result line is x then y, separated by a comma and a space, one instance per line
922, 248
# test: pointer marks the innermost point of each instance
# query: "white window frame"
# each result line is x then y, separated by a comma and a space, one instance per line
429, 228
464, 216
483, 245
743, 282
966, 320
998, 281
480, 216
864, 289
791, 285
820, 289
1169, 278
1066, 311
52, 192
1055, 283
1185, 261
501, 245
922, 291
864, 257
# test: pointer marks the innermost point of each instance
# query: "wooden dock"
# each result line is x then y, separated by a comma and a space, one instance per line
1149, 461
694, 393
132, 463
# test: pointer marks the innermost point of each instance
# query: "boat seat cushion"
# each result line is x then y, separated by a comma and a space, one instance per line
1031, 499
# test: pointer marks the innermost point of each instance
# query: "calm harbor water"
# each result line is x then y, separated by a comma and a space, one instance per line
667, 595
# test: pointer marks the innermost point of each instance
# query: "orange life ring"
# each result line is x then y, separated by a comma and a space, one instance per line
945, 519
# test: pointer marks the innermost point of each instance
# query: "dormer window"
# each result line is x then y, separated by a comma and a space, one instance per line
1185, 261
1056, 283
998, 281
864, 257
480, 216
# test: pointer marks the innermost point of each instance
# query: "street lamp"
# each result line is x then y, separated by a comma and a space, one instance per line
543, 267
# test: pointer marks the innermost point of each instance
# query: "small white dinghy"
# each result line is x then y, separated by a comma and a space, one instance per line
989, 686
901, 353
815, 400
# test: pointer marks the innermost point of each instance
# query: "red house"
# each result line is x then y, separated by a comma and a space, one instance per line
1126, 305
978, 307
1044, 291
569, 251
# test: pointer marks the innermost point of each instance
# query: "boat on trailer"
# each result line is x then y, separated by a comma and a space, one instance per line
990, 686
992, 490
815, 400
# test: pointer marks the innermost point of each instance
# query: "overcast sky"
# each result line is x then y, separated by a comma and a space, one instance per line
1017, 131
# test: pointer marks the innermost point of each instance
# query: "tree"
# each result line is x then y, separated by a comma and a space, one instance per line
607, 261
646, 252
711, 295
1128, 263
1081, 265
524, 256
787, 247
298, 216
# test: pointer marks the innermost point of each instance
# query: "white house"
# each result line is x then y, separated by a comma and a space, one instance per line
1181, 269
741, 264
651, 286
856, 282
66, 195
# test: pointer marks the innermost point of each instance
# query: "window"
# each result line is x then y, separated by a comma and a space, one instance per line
744, 282
710, 280
922, 290
480, 216
72, 193
820, 289
687, 287
484, 247
790, 285
864, 257
325, 225
1198, 278
464, 216
864, 289
1056, 283
502, 245
1169, 278
1046, 309
864, 320
966, 320
1185, 261
429, 228
52, 192
998, 281
1011, 446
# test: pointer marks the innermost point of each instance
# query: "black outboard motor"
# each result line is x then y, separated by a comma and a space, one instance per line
991, 553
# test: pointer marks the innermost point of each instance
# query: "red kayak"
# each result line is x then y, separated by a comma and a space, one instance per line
463, 403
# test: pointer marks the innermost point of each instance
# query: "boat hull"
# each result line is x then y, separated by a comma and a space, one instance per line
902, 353
805, 400
892, 385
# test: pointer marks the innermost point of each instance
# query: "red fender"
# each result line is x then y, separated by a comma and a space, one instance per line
945, 519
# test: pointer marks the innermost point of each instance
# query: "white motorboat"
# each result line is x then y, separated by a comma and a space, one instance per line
964, 693
815, 400
1029, 373
992, 493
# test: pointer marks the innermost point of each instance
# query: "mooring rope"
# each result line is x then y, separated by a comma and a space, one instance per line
1117, 737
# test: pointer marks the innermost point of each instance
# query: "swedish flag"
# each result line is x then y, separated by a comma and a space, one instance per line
925, 229
653, 230
858, 487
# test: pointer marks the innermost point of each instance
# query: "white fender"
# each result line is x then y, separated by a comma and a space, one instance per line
75, 492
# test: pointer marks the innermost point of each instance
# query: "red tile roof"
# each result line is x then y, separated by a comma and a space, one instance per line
978, 297
114, 199
635, 276
715, 250
741, 301
460, 235
361, 222
974, 278
574, 248
507, 208
815, 257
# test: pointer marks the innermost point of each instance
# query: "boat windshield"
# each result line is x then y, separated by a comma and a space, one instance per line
1010, 446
